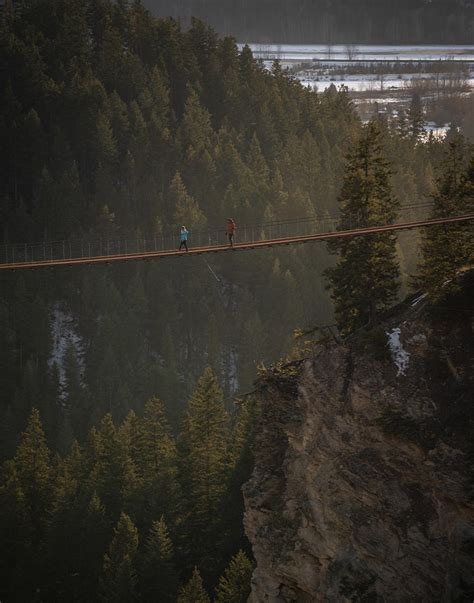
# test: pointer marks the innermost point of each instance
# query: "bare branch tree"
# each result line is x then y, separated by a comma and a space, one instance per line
351, 51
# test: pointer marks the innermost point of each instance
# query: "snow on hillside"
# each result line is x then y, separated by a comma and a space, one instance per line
305, 52
64, 334
400, 356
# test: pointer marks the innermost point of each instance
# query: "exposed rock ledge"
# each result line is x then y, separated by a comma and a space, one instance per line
362, 488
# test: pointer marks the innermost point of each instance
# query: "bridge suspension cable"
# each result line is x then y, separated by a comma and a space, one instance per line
290, 232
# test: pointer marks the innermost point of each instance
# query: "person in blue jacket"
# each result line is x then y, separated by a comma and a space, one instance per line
184, 238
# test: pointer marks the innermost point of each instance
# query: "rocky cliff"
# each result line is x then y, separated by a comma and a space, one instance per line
362, 488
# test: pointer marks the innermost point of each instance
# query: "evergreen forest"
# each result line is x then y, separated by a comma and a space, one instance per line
127, 396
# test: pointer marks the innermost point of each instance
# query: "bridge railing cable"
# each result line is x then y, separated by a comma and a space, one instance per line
168, 239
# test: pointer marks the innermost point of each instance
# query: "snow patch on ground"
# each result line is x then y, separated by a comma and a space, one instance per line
371, 82
64, 334
323, 52
400, 356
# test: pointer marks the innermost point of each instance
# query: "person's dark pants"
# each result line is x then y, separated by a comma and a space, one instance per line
231, 236
183, 244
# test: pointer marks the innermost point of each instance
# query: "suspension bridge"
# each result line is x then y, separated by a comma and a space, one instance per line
162, 246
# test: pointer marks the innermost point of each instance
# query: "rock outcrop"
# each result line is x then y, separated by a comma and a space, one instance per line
362, 488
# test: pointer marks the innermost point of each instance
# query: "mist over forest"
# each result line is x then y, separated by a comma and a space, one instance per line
331, 21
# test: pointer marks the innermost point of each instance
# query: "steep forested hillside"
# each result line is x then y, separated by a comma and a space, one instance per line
118, 124
115, 123
332, 21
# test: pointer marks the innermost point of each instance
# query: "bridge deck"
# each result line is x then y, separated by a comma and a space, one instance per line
121, 257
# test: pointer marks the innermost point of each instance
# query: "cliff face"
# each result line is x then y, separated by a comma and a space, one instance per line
362, 488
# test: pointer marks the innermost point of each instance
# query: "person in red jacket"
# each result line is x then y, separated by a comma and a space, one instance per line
230, 231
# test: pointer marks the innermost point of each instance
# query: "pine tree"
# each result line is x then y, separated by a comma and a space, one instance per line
158, 576
110, 59
402, 126
118, 579
267, 133
159, 449
160, 97
139, 130
448, 248
156, 460
113, 474
104, 142
64, 541
70, 203
234, 585
204, 470
26, 499
256, 162
365, 279
34, 471
31, 151
243, 426
64, 435
16, 535
95, 535
416, 117
119, 122
234, 178
195, 129
193, 591
185, 209
279, 196
259, 173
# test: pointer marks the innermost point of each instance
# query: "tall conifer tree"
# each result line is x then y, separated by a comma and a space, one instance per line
204, 466
365, 278
159, 580
234, 585
416, 117
185, 209
119, 580
95, 536
113, 475
447, 249
26, 498
155, 456
34, 471
193, 591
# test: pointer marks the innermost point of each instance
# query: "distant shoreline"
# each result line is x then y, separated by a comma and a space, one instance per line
362, 53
